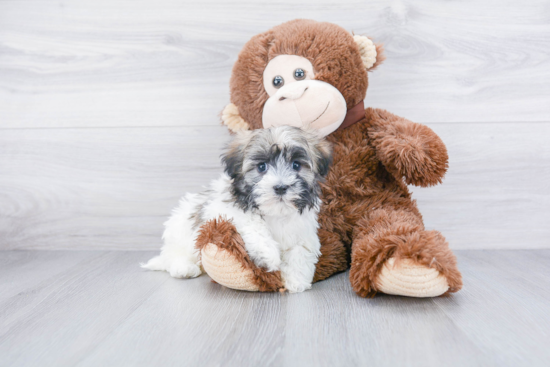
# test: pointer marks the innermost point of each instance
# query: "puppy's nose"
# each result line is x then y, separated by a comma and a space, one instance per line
280, 189
293, 91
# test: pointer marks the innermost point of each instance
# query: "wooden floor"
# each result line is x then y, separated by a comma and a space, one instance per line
98, 308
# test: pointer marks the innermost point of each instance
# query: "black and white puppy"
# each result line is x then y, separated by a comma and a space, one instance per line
270, 191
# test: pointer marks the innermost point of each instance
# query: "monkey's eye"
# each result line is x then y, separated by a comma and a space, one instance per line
296, 165
278, 81
299, 74
262, 167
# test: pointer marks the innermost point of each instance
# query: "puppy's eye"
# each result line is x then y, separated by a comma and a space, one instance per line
296, 165
299, 74
278, 81
262, 167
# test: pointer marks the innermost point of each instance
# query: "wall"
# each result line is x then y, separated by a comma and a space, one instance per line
109, 110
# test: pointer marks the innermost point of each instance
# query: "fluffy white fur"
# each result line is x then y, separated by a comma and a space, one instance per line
277, 234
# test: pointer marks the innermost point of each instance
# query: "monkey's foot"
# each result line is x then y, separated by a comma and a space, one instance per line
225, 260
407, 278
226, 270
415, 264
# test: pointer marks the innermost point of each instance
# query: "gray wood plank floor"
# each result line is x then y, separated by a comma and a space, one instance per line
66, 308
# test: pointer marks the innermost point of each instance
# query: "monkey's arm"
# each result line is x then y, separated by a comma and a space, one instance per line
408, 150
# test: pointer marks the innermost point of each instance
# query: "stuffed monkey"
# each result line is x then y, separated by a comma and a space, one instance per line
307, 73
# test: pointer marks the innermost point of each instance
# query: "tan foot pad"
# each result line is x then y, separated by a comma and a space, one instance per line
223, 268
410, 279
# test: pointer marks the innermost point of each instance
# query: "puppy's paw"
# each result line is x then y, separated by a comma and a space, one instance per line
296, 287
184, 269
270, 263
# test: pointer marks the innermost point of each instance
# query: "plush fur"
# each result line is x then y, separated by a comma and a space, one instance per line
378, 218
270, 195
368, 216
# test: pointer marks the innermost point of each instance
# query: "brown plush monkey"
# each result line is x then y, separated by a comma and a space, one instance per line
306, 73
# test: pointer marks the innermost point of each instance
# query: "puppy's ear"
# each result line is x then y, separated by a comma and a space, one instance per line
323, 159
233, 158
321, 151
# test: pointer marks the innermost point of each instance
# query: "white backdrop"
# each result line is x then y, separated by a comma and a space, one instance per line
109, 110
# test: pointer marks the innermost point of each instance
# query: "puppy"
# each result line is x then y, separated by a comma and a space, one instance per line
270, 191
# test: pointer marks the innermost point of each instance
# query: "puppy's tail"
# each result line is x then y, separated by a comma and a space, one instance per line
156, 263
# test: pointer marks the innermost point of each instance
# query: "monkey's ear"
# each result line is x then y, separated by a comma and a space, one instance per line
372, 54
232, 119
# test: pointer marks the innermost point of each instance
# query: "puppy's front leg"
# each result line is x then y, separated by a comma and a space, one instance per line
260, 245
298, 268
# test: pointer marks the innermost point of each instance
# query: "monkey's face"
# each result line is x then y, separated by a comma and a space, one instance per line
301, 73
297, 99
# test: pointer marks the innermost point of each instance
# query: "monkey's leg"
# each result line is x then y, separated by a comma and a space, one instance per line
225, 260
334, 256
392, 253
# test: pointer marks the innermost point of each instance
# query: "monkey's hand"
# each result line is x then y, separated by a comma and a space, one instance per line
408, 150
